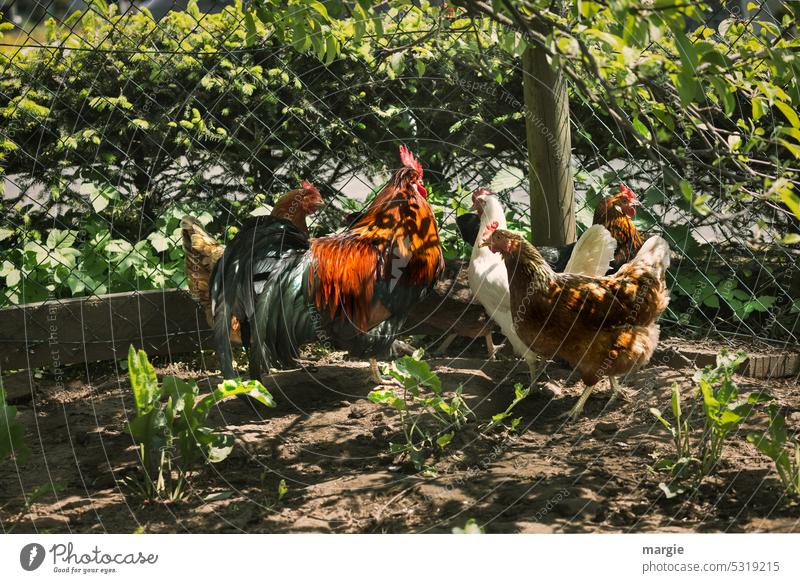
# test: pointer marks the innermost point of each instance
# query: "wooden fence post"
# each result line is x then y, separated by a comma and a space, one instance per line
549, 151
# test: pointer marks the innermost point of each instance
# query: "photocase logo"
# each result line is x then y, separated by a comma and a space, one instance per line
31, 556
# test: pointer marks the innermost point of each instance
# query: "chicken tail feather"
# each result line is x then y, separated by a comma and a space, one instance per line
654, 254
593, 252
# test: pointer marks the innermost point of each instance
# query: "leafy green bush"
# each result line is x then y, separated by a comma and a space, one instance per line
783, 449
171, 427
428, 419
725, 411
697, 452
231, 113
89, 260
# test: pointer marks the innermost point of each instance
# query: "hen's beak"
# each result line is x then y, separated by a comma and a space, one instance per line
487, 242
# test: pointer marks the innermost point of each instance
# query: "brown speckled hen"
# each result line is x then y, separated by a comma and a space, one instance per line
603, 326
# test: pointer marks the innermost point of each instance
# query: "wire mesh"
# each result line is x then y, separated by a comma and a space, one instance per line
118, 125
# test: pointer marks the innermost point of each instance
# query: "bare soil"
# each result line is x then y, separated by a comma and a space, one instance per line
330, 445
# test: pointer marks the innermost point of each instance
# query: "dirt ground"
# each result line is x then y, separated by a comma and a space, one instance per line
330, 445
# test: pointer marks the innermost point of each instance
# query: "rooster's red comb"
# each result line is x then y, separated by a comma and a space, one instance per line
408, 160
623, 189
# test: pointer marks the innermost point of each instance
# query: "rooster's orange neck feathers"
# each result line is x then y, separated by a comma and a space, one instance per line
619, 225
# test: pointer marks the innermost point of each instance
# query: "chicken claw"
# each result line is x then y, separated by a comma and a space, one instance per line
375, 374
491, 347
618, 391
573, 414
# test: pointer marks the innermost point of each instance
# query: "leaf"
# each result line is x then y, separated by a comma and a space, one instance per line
641, 128
319, 7
143, 380
58, 238
670, 491
657, 414
687, 86
676, 403
726, 98
231, 388
789, 112
221, 447
331, 49
385, 396
216, 496
250, 28
142, 124
443, 440
791, 200
159, 241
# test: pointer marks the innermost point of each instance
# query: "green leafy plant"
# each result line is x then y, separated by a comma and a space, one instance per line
429, 420
679, 428
725, 411
520, 393
171, 427
12, 434
698, 451
781, 448
470, 527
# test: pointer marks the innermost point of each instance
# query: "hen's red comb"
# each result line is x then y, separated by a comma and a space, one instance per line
408, 160
306, 185
627, 191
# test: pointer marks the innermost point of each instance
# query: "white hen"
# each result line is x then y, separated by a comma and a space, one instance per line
488, 278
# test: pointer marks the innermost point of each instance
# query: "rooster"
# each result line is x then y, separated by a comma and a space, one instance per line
603, 326
202, 251
616, 213
351, 290
489, 281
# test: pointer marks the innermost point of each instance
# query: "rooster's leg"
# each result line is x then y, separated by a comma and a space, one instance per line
491, 347
375, 374
535, 368
576, 411
446, 344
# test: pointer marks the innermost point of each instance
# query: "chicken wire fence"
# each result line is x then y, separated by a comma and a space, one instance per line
118, 125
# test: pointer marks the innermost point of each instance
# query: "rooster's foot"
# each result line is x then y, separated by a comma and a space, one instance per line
619, 392
573, 414
491, 347
375, 375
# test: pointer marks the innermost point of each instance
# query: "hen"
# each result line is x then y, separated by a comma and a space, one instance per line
615, 213
351, 290
603, 326
489, 281
202, 251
